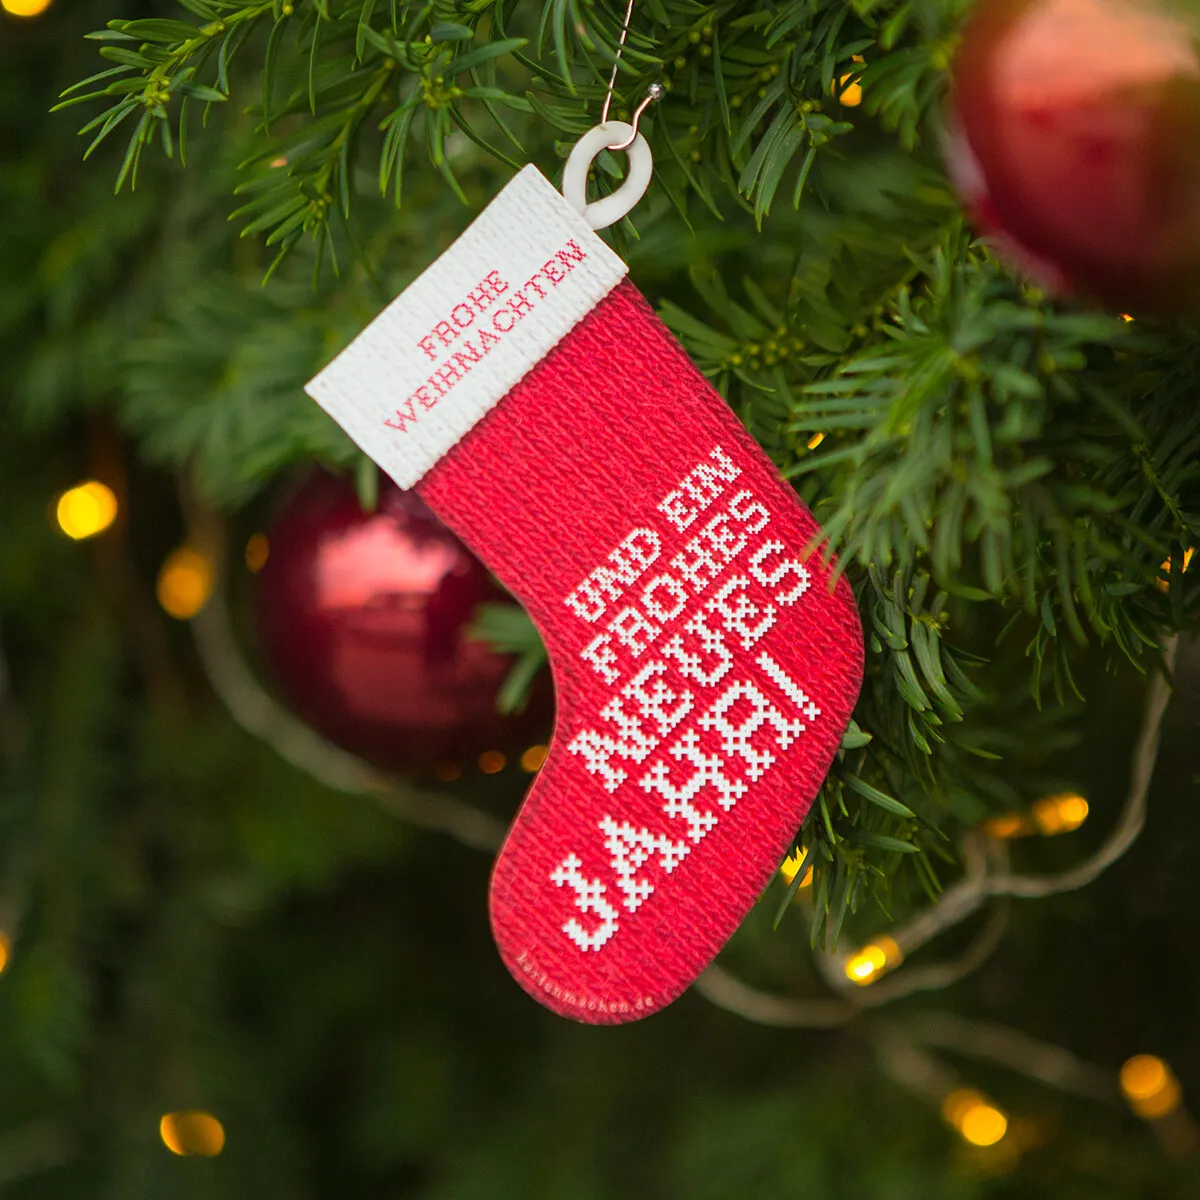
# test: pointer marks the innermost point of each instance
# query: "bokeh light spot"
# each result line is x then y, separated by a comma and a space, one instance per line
187, 1133
1150, 1087
984, 1125
976, 1119
185, 582
86, 510
1165, 568
1049, 816
1061, 813
851, 95
865, 965
533, 758
873, 960
25, 8
492, 761
791, 865
1143, 1076
258, 550
1010, 825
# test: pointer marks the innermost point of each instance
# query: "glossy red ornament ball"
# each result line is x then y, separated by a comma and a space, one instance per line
1076, 141
363, 620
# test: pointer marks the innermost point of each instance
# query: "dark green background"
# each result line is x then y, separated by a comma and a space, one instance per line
199, 925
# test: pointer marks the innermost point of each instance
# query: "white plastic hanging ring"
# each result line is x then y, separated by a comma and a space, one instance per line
608, 211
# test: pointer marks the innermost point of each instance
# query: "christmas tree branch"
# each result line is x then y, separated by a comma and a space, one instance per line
949, 425
348, 84
258, 713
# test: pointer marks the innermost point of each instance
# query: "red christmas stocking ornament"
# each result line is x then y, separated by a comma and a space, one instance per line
705, 667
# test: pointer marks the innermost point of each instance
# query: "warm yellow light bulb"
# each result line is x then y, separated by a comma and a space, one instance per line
192, 1133
1010, 825
1165, 568
1072, 811
1051, 815
815, 440
983, 1125
491, 762
791, 865
1060, 813
873, 960
1143, 1076
851, 93
25, 8
258, 550
1150, 1087
5, 951
978, 1120
532, 759
86, 510
862, 966
185, 582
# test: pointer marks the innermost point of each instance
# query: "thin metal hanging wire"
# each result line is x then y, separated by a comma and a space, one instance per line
653, 92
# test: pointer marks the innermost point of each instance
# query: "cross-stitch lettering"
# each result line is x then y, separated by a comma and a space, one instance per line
675, 605
476, 324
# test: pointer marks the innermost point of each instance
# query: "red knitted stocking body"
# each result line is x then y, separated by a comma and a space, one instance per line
705, 669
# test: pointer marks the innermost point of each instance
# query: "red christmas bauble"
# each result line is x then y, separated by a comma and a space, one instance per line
1076, 141
363, 619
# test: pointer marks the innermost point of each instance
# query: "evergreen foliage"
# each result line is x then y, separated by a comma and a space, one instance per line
982, 448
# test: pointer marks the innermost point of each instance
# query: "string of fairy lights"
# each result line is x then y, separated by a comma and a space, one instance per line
1147, 1083
185, 584
192, 1133
1050, 816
